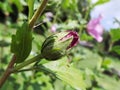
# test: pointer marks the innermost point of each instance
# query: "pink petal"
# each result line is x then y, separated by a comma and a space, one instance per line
74, 36
95, 29
99, 39
53, 28
75, 39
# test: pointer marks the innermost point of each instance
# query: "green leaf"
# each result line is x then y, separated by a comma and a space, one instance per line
18, 4
107, 63
114, 64
22, 43
101, 2
108, 82
86, 37
68, 74
89, 59
72, 76
115, 34
116, 49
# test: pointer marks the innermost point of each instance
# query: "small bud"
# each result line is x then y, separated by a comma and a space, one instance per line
55, 46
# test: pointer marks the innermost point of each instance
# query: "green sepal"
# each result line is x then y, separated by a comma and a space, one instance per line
53, 48
22, 43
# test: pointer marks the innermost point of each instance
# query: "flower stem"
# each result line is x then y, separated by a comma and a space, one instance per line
37, 68
37, 13
27, 62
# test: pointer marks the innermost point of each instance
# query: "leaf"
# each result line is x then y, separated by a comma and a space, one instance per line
107, 63
22, 43
72, 76
101, 2
86, 37
114, 65
116, 49
18, 4
115, 34
68, 74
108, 82
89, 59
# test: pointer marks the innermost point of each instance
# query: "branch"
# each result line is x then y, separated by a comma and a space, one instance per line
8, 71
27, 62
38, 13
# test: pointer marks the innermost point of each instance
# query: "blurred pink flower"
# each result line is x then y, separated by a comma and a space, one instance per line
49, 16
95, 29
53, 28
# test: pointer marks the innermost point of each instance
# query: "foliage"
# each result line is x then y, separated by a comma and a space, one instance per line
88, 66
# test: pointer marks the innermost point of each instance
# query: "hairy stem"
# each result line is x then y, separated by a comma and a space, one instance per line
8, 71
27, 62
37, 13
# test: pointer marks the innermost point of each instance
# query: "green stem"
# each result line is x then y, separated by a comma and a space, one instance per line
37, 68
31, 8
85, 18
27, 62
110, 46
37, 13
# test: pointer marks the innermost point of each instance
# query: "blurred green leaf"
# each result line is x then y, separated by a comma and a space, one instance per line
115, 63
86, 37
97, 88
5, 7
18, 4
71, 76
69, 4
68, 74
71, 24
99, 2
116, 49
115, 34
107, 63
108, 83
61, 86
43, 81
22, 43
88, 59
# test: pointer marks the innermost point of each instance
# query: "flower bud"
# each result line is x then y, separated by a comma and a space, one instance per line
55, 46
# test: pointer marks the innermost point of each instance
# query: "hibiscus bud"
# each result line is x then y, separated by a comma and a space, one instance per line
55, 46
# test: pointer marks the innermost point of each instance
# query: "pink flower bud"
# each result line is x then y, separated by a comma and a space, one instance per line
55, 46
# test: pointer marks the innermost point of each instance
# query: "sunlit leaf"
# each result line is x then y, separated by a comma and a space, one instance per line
101, 2
115, 34
68, 74
116, 49
108, 83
